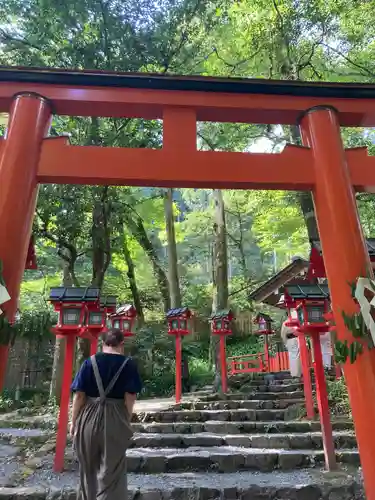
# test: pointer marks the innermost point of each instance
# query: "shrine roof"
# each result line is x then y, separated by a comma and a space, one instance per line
125, 309
307, 291
222, 314
268, 292
74, 294
178, 311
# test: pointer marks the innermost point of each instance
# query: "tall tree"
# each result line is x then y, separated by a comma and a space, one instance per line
174, 283
59, 351
220, 300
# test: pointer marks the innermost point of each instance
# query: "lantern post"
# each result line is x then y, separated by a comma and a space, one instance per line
293, 322
221, 325
72, 305
178, 326
264, 322
312, 304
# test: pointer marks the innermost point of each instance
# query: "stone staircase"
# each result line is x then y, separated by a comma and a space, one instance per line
243, 432
245, 445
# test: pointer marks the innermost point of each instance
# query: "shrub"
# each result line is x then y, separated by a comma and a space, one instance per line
338, 398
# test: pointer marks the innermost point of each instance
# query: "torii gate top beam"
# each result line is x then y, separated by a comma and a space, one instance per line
95, 93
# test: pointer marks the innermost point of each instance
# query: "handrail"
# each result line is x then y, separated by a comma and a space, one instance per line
246, 355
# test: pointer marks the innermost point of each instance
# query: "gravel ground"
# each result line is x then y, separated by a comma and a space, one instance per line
243, 480
8, 462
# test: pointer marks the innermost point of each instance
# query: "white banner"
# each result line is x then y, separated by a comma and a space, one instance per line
365, 295
4, 295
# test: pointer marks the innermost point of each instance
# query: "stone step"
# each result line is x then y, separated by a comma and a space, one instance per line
204, 415
205, 392
294, 441
272, 388
274, 381
253, 395
227, 459
303, 484
234, 405
217, 427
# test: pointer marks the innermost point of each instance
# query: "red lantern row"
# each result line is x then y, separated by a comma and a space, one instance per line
83, 312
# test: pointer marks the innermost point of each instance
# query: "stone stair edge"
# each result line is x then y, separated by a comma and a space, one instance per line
349, 489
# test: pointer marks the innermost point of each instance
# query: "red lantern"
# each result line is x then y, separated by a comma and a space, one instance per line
307, 305
178, 326
96, 319
221, 322
264, 322
74, 306
124, 319
221, 325
178, 321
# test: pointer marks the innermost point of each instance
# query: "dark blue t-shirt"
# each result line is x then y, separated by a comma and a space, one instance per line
108, 364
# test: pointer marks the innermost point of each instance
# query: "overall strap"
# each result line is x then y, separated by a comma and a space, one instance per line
98, 378
115, 378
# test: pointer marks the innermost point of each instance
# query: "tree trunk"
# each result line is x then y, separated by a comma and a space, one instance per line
221, 294
101, 242
139, 232
305, 197
174, 284
59, 352
132, 281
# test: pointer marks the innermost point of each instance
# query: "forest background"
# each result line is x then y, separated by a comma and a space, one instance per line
159, 248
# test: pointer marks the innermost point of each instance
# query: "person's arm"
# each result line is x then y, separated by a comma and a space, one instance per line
130, 399
132, 387
79, 400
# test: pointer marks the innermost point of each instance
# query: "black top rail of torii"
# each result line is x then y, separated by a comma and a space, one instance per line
96, 78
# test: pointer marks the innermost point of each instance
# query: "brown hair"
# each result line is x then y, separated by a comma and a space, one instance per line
113, 337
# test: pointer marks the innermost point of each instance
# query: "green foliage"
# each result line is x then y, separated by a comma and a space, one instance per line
338, 397
26, 398
239, 346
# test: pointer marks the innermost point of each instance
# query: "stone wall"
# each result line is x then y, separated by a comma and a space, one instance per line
29, 364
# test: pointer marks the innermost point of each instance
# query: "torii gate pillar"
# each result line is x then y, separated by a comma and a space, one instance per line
346, 258
29, 119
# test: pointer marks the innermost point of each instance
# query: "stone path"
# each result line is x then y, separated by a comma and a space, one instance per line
246, 446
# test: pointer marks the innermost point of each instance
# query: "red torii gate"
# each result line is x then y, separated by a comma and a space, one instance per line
322, 165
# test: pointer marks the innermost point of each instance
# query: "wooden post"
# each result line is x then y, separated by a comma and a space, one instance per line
345, 259
178, 386
266, 354
223, 363
62, 425
307, 386
323, 405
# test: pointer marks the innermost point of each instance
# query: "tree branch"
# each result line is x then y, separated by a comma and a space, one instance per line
349, 60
